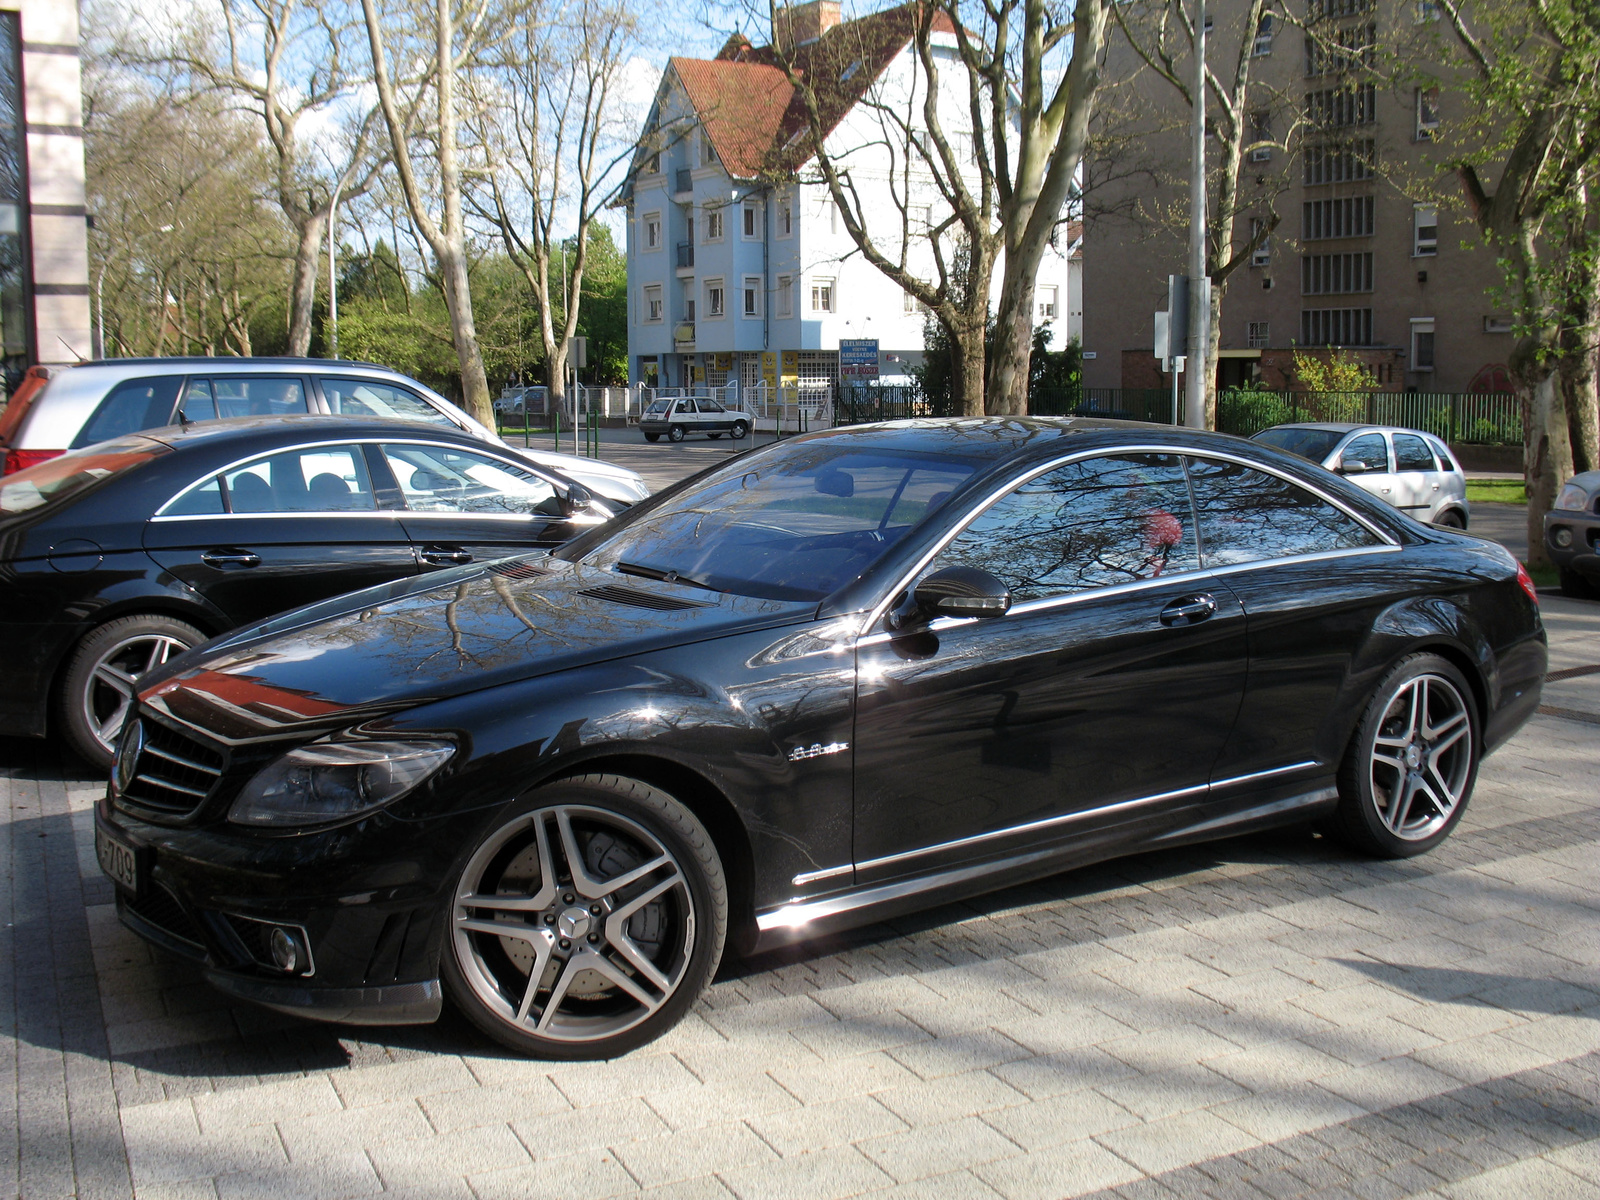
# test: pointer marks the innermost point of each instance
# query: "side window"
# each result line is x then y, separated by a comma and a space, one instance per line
443, 479
316, 479
710, 406
1247, 515
1090, 524
131, 406
1446, 462
368, 398
198, 404
258, 395
1368, 450
1411, 453
204, 499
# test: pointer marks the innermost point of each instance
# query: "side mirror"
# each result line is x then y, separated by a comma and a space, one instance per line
579, 499
954, 592
1353, 467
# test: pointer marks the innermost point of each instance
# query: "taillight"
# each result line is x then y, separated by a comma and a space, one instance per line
21, 460
1526, 581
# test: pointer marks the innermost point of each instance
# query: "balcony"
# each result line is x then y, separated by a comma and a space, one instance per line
683, 181
685, 256
683, 336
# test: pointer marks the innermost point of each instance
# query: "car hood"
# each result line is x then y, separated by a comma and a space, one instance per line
460, 631
601, 477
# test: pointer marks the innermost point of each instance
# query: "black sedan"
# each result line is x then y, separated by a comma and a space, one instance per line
829, 681
119, 556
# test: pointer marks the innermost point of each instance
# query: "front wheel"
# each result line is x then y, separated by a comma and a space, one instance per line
587, 921
675, 433
652, 437
102, 678
740, 429
1411, 765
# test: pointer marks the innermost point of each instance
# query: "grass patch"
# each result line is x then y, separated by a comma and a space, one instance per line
1497, 491
1544, 577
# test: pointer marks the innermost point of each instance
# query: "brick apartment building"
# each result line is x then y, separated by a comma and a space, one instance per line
1365, 255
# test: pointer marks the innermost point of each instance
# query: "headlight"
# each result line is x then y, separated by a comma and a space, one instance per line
333, 781
1560, 537
1572, 497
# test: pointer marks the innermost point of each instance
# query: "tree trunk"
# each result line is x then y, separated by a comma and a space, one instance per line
1007, 393
1213, 354
1547, 453
966, 357
303, 284
475, 397
555, 375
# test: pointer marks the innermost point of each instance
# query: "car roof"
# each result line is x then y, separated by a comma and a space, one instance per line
1351, 427
230, 364
322, 426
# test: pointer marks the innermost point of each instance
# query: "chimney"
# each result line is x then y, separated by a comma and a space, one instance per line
798, 24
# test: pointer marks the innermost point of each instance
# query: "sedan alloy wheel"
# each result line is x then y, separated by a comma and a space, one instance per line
99, 686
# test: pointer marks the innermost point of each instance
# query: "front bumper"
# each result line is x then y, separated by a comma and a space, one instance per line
1582, 553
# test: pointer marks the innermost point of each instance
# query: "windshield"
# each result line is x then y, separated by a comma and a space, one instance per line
1315, 444
795, 523
659, 406
54, 481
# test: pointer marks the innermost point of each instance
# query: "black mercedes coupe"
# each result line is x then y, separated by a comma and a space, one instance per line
832, 680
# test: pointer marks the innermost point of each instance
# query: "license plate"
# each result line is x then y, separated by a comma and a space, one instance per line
117, 859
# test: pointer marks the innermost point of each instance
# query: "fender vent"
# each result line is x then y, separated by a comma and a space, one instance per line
521, 569
638, 599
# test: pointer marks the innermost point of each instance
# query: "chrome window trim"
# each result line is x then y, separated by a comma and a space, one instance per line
510, 461
799, 913
1386, 540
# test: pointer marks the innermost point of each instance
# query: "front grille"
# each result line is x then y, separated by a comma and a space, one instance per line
624, 595
173, 774
522, 569
159, 907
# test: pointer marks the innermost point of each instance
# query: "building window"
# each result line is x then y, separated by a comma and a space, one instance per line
1258, 336
1498, 325
652, 231
1047, 303
1338, 162
1341, 50
688, 299
652, 163
1350, 216
1424, 11
716, 299
1260, 136
1427, 110
1422, 343
785, 217
752, 295
1336, 327
1333, 274
1342, 107
1263, 43
652, 303
708, 152
714, 227
785, 296
1261, 256
1424, 230
751, 218
16, 275
822, 295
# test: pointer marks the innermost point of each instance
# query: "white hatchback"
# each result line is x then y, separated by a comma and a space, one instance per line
1411, 470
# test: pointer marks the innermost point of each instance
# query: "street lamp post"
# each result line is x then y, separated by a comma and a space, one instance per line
1199, 282
333, 281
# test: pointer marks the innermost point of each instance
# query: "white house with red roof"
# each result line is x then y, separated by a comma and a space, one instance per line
739, 267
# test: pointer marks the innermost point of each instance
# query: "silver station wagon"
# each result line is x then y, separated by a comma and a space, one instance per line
1413, 471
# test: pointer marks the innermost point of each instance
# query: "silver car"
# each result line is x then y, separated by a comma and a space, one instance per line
1411, 470
94, 401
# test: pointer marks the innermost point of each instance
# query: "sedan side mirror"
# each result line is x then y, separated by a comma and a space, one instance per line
1355, 467
954, 592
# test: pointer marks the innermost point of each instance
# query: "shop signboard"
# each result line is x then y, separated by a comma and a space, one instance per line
858, 358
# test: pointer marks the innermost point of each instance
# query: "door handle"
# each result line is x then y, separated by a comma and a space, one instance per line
440, 556
1191, 610
230, 558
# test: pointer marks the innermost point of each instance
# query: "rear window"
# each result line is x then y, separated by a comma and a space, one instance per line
1315, 444
73, 474
132, 405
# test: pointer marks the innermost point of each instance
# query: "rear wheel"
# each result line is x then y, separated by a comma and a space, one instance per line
675, 433
739, 430
99, 685
1411, 765
1451, 519
587, 921
652, 437
1574, 584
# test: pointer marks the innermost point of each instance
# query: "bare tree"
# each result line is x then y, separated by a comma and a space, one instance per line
457, 39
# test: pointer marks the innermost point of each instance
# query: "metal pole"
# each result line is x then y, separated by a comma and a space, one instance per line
333, 280
100, 311
1199, 285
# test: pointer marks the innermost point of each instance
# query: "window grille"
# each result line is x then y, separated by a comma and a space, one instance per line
1336, 327
1332, 274
1349, 216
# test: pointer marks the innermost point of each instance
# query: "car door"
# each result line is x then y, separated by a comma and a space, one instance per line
285, 529
1365, 461
1416, 476
465, 506
1312, 579
1102, 697
713, 417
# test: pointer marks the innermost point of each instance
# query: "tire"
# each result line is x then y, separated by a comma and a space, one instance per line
604, 988
98, 685
1451, 519
652, 437
674, 433
1576, 585
1417, 745
739, 430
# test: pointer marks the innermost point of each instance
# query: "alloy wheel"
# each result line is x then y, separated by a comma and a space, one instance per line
114, 680
1421, 763
573, 923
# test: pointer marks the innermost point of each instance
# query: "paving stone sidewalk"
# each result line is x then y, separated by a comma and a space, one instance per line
1269, 1016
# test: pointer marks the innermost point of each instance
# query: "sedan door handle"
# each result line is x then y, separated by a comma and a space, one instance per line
440, 556
1191, 610
230, 558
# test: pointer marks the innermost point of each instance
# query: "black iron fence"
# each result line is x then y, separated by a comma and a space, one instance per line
1477, 418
